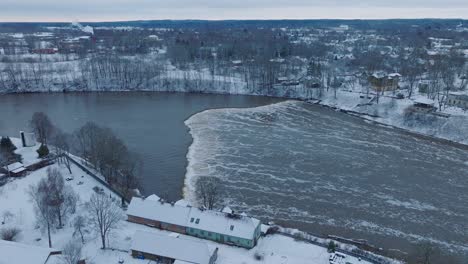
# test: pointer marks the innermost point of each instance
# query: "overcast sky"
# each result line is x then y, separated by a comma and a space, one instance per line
112, 10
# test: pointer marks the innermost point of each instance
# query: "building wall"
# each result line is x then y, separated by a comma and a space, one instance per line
173, 228
143, 221
383, 84
455, 101
159, 259
225, 239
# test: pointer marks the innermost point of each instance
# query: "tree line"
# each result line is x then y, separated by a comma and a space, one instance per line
99, 148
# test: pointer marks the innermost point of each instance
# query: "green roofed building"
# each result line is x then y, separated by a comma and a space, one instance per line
222, 227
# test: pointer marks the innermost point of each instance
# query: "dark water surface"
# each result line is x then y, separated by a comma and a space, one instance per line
151, 124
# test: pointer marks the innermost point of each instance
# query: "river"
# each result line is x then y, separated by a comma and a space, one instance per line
151, 124
300, 165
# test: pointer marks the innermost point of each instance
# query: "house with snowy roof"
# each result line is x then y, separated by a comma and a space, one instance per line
167, 249
381, 81
222, 227
458, 99
18, 253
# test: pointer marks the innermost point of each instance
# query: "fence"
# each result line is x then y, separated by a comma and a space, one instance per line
97, 178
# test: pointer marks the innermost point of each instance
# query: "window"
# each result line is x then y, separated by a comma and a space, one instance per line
197, 221
191, 220
232, 227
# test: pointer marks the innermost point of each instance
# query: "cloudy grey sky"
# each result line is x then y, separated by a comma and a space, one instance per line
111, 10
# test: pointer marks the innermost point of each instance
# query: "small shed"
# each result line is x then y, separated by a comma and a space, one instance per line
170, 249
15, 169
424, 105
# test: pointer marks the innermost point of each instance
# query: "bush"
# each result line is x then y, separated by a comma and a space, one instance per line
331, 247
272, 230
6, 145
10, 234
258, 256
43, 151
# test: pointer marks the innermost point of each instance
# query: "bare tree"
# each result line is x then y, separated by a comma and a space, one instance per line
207, 191
42, 126
45, 211
79, 224
71, 252
412, 71
128, 178
61, 197
62, 148
104, 215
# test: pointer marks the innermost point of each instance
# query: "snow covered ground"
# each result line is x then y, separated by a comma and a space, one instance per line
391, 111
275, 249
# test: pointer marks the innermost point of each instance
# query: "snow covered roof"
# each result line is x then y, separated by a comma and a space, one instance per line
13, 252
221, 223
395, 74
425, 101
189, 251
158, 210
153, 197
182, 202
14, 166
208, 220
227, 210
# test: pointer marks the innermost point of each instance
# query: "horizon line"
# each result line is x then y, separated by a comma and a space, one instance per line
236, 19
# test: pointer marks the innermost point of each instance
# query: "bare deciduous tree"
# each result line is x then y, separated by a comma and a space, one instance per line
61, 197
62, 148
79, 224
104, 215
42, 126
71, 252
45, 211
207, 191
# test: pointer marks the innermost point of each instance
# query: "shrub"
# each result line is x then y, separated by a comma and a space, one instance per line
272, 230
331, 247
258, 256
10, 233
43, 151
6, 145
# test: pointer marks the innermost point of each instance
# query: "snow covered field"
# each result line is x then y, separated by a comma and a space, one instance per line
275, 249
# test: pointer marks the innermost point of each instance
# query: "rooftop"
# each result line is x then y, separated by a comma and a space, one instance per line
208, 220
14, 166
158, 210
170, 247
18, 253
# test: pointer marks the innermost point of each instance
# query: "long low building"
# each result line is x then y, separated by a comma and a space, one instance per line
169, 249
227, 228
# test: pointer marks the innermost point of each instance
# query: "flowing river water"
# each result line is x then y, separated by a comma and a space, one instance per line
300, 165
